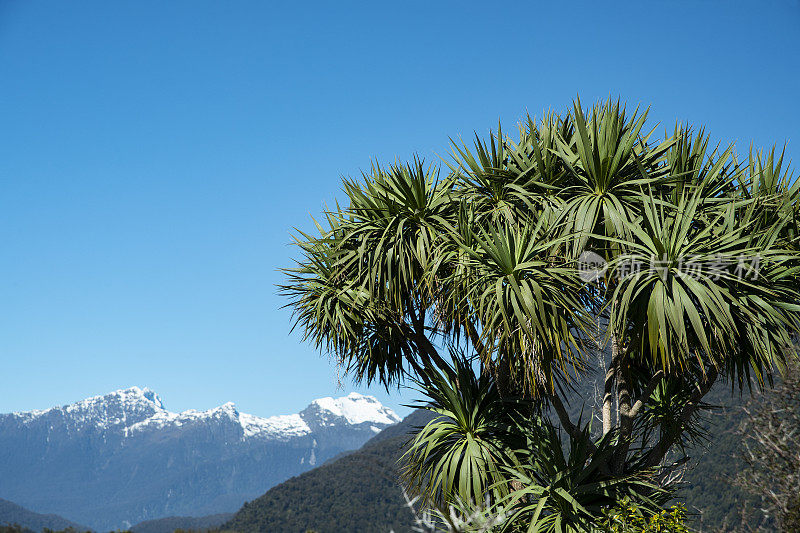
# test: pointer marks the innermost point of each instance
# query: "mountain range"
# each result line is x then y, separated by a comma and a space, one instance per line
347, 491
122, 458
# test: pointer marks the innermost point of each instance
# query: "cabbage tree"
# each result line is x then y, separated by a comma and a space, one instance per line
586, 232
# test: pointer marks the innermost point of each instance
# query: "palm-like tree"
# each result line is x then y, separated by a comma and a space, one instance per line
486, 259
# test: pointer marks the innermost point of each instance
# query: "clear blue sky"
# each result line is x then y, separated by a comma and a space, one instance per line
155, 155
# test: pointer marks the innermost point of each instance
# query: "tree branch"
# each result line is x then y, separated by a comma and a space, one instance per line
646, 393
569, 427
417, 369
659, 451
425, 346
627, 413
476, 341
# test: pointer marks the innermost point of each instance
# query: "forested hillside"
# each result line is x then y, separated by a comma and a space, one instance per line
709, 490
13, 514
184, 523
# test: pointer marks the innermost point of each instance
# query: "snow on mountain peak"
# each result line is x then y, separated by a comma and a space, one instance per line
152, 396
129, 396
138, 409
117, 409
228, 408
282, 425
357, 408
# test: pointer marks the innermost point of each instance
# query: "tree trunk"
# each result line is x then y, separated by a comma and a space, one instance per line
625, 419
608, 386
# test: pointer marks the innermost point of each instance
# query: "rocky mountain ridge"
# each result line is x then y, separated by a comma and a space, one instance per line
117, 459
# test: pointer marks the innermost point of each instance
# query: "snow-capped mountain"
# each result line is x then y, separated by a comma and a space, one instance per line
121, 458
